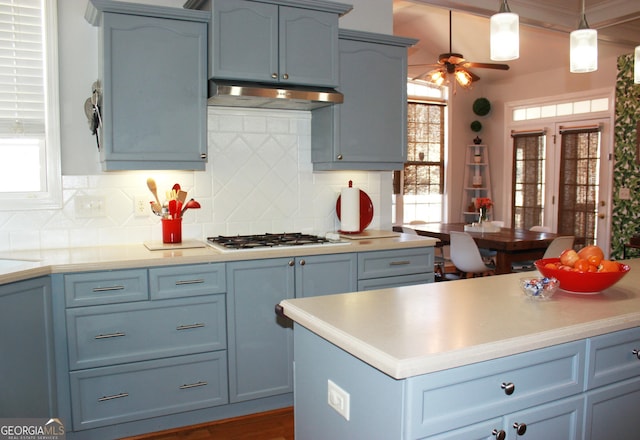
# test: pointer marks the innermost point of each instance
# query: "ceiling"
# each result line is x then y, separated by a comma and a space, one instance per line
544, 31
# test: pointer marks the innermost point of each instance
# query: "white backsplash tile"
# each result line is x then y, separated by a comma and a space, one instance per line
259, 179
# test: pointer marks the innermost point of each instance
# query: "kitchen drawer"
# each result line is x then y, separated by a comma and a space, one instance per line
402, 280
117, 394
93, 288
612, 357
119, 333
182, 281
469, 394
381, 264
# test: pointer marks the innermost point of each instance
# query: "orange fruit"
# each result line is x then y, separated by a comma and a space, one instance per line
608, 266
591, 251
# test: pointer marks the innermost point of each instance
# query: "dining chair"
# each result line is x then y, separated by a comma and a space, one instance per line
540, 228
554, 250
558, 245
465, 255
442, 262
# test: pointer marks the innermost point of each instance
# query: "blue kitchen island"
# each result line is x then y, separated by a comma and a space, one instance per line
469, 359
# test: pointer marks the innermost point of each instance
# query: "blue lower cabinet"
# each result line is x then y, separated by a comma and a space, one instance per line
122, 393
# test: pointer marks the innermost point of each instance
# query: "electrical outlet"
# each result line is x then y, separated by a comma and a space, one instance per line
338, 399
141, 206
624, 194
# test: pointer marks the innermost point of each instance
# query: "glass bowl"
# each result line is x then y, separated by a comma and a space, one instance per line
539, 287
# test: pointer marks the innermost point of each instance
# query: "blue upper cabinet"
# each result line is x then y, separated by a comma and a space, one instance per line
294, 42
369, 130
153, 72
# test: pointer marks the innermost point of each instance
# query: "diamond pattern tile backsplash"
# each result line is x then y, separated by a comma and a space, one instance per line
259, 179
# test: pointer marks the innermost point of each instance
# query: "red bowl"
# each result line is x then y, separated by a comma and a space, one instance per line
581, 282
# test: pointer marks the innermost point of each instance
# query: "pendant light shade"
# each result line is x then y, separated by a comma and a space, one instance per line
584, 47
505, 34
636, 66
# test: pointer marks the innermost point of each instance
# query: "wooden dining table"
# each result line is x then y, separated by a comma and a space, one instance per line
511, 245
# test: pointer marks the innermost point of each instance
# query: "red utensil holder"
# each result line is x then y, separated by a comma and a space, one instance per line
172, 230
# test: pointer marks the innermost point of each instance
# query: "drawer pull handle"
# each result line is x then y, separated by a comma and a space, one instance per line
400, 263
110, 335
636, 353
508, 387
181, 282
190, 326
193, 385
499, 435
115, 396
107, 289
521, 428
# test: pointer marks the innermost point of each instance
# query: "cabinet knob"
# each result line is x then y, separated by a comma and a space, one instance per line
274, 75
636, 353
302, 262
499, 435
508, 388
285, 76
520, 428
203, 156
291, 263
339, 156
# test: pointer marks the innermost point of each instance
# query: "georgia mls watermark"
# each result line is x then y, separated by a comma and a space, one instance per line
31, 429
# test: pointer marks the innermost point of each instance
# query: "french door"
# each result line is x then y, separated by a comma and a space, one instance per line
581, 192
562, 176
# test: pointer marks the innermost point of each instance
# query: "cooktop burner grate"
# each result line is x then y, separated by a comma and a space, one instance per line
268, 240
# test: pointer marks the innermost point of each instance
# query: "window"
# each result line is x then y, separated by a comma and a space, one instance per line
419, 187
528, 179
29, 127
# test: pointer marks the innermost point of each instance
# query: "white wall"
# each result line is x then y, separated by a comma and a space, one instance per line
269, 195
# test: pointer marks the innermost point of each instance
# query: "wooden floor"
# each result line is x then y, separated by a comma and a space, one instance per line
271, 425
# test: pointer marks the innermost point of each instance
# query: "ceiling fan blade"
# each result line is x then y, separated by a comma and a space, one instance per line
454, 58
486, 65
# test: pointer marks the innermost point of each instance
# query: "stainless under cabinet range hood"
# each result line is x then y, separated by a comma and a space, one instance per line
274, 96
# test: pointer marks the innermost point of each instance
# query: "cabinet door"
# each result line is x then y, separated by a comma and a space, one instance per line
260, 342
308, 47
326, 274
244, 41
27, 388
612, 411
154, 75
369, 128
557, 420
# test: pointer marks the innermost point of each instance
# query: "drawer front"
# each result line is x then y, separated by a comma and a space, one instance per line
110, 395
402, 280
439, 401
613, 357
182, 281
93, 288
115, 334
381, 264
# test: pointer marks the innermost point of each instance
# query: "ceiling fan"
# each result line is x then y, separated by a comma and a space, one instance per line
454, 63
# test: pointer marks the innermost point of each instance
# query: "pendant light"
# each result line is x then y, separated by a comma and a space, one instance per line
636, 66
505, 34
584, 47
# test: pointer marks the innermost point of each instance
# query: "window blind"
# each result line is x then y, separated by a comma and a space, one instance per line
22, 94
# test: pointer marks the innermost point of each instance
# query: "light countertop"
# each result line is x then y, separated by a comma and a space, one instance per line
30, 264
414, 330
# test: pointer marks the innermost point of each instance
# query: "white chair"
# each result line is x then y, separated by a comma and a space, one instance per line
554, 250
540, 228
465, 255
558, 245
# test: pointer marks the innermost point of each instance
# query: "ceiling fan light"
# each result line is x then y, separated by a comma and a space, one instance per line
437, 77
636, 66
583, 51
505, 36
463, 78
